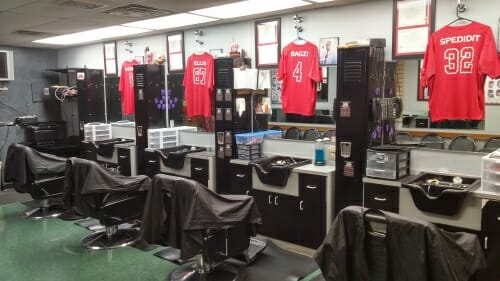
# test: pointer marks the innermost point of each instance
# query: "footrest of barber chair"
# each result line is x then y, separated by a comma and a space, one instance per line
223, 272
144, 246
87, 223
170, 254
70, 215
256, 247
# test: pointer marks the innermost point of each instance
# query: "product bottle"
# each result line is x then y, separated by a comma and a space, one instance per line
319, 153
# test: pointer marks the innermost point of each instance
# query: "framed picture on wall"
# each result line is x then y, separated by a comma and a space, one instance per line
413, 23
422, 94
267, 42
175, 51
492, 91
328, 50
110, 63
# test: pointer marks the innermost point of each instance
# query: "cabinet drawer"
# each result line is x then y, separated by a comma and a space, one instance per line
311, 182
241, 179
491, 218
381, 197
199, 170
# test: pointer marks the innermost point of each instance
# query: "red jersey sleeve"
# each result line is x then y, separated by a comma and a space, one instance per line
121, 83
210, 73
315, 72
489, 61
282, 66
428, 69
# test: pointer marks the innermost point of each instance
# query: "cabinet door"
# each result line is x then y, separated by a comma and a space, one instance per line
381, 197
89, 152
199, 170
284, 215
265, 205
312, 210
151, 163
124, 161
241, 179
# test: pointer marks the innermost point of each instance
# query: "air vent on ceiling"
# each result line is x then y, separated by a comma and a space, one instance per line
32, 33
137, 11
81, 5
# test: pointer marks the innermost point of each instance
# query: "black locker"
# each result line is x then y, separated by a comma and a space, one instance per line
150, 105
360, 78
113, 99
88, 105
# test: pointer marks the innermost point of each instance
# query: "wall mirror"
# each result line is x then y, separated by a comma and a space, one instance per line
416, 105
326, 93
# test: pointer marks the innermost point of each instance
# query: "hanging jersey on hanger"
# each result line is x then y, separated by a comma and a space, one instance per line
198, 84
456, 63
126, 87
300, 71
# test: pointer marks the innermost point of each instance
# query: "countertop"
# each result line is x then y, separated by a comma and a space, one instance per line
201, 154
483, 194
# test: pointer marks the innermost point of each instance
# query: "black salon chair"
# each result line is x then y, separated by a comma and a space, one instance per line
433, 140
462, 143
329, 134
311, 134
403, 137
491, 145
292, 133
113, 199
277, 128
39, 174
208, 228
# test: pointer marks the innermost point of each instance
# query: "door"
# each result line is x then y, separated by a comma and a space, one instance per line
312, 210
241, 179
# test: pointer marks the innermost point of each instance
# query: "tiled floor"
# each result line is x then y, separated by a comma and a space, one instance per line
49, 250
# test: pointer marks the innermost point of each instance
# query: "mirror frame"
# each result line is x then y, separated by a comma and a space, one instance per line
262, 41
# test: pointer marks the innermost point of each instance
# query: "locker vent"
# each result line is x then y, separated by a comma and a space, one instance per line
353, 71
139, 79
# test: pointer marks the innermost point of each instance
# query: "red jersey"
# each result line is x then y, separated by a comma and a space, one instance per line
456, 63
300, 71
198, 85
126, 87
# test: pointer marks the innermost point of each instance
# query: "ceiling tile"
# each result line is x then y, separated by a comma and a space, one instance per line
12, 21
11, 4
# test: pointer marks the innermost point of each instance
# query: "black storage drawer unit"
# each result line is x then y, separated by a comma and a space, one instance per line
124, 161
199, 170
377, 196
241, 179
89, 151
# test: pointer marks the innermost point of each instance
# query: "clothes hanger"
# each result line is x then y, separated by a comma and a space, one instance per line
461, 20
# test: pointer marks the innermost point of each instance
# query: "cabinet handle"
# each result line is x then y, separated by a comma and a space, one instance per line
311, 186
301, 206
498, 219
152, 161
276, 201
247, 192
381, 199
123, 156
198, 169
269, 199
240, 175
486, 243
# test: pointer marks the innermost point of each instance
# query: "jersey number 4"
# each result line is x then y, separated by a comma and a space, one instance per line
199, 75
459, 61
297, 72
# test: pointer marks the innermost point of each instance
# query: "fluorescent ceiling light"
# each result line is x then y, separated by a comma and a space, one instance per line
321, 1
166, 22
249, 7
92, 35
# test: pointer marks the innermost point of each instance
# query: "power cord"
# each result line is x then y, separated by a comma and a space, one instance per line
61, 92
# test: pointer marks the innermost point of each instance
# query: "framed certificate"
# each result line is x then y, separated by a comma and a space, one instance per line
413, 23
267, 42
175, 52
110, 64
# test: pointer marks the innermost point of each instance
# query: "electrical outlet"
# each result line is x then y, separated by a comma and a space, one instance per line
46, 91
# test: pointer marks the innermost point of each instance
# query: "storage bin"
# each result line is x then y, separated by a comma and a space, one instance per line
248, 152
257, 137
490, 172
387, 162
97, 131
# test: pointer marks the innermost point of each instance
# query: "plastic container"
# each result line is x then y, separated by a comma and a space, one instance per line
97, 131
490, 172
257, 137
319, 153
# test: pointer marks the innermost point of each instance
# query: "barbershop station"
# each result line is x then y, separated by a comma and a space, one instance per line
250, 140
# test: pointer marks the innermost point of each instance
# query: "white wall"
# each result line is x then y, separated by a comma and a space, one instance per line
371, 19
